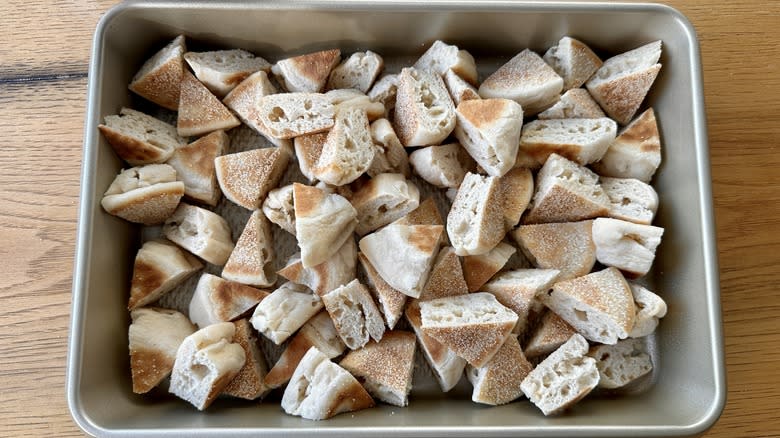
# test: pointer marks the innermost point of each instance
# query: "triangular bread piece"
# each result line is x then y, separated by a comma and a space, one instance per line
354, 314
581, 140
649, 309
549, 334
498, 382
202, 232
424, 112
442, 165
323, 222
308, 149
320, 389
446, 365
625, 245
356, 72
459, 89
385, 367
200, 112
635, 153
139, 138
221, 70
288, 115
383, 199
154, 336
390, 155
442, 57
573, 60
576, 103
517, 289
159, 267
218, 300
307, 73
630, 199
391, 301
489, 129
478, 269
284, 311
517, 188
474, 326
348, 149
403, 254
246, 177
567, 247
337, 270
446, 277
159, 79
194, 164
146, 194
475, 223
243, 100
622, 82
425, 214
251, 261
599, 305
249, 383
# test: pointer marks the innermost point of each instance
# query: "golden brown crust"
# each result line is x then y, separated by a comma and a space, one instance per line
132, 150
147, 277
201, 152
516, 188
551, 332
307, 199
316, 66
621, 98
149, 368
149, 206
231, 291
567, 247
249, 383
392, 301
562, 205
426, 238
425, 214
199, 110
350, 399
246, 177
477, 270
503, 374
482, 113
284, 368
642, 132
446, 277
162, 85
308, 148
476, 343
436, 350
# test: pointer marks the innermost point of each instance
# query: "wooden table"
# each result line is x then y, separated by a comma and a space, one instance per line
44, 52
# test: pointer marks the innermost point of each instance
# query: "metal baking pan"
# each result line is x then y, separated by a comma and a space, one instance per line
687, 392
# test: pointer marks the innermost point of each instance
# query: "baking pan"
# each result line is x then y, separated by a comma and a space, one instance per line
687, 392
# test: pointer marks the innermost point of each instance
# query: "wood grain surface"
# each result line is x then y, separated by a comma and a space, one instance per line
44, 52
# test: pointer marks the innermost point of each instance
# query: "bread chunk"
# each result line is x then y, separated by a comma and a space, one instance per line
573, 60
200, 112
219, 300
625, 245
475, 223
354, 314
622, 363
307, 73
246, 177
194, 164
337, 270
159, 78
201, 232
221, 70
424, 112
139, 138
358, 71
498, 381
145, 194
567, 247
635, 153
517, 290
489, 129
159, 267
284, 311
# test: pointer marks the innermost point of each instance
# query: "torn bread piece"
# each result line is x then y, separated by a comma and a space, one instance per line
390, 155
354, 314
446, 277
424, 112
288, 115
489, 129
549, 334
206, 362
346, 99
279, 208
567, 247
581, 140
219, 300
527, 80
566, 192
478, 269
517, 290
498, 381
249, 383
201, 232
517, 188
320, 389
474, 326
649, 309
348, 149
251, 261
630, 199
318, 332
384, 91
385, 367
625, 245
576, 103
145, 194
284, 311
139, 138
622, 363
446, 365
403, 254
622, 82
323, 222
442, 166
337, 270
563, 378
391, 301
573, 60
221, 70
358, 71
243, 100
307, 73
475, 223
459, 89
384, 199
442, 57
159, 78
200, 112
246, 177
194, 164
635, 153
154, 337
308, 148
599, 305
159, 266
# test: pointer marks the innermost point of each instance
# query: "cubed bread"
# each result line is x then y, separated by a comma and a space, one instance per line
635, 153
308, 148
206, 362
221, 70
391, 302
576, 103
145, 194
563, 378
478, 269
323, 222
159, 78
348, 149
243, 100
284, 311
649, 309
358, 71
581, 140
441, 57
251, 261
154, 337
622, 82
307, 73
599, 305
622, 363
403, 254
446, 277
389, 154
567, 247
320, 389
383, 199
384, 91
354, 314
159, 266
475, 223
630, 199
517, 289
474, 326
489, 129
279, 208
201, 232
219, 300
246, 177
517, 188
288, 115
625, 245
550, 333
200, 112
249, 383
194, 164
573, 60
337, 270
442, 166
498, 381
385, 367
459, 89
424, 112
139, 138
